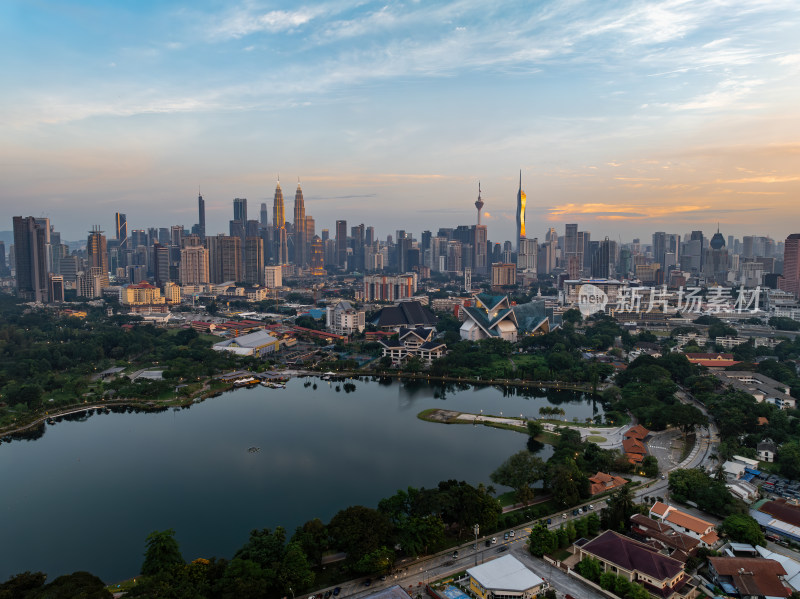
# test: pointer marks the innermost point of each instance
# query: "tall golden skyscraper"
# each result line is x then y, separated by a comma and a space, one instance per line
520, 212
279, 223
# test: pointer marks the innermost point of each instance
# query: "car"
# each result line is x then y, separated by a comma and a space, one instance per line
505, 537
663, 477
367, 582
502, 548
455, 554
591, 506
564, 516
549, 521
494, 540
328, 593
383, 577
336, 591
475, 546
488, 543
511, 534
575, 512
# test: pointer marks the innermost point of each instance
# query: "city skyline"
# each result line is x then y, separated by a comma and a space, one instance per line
627, 118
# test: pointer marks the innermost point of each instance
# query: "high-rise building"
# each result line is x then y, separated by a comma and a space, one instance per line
264, 216
240, 209
791, 265
300, 255
273, 276
521, 199
570, 250
254, 261
201, 217
224, 258
317, 258
194, 262
30, 255
97, 253
281, 253
121, 230
161, 263
341, 243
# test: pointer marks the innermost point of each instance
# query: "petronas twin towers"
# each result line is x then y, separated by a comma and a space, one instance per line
280, 237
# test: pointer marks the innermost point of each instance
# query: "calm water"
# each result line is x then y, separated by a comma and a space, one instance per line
86, 494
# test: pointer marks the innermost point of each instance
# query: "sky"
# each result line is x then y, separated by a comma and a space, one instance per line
627, 117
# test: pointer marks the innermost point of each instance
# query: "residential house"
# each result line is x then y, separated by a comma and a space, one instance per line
344, 319
766, 451
664, 538
685, 523
602, 482
633, 443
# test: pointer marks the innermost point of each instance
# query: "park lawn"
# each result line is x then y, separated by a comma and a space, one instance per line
596, 439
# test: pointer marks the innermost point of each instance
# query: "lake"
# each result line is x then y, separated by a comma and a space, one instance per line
85, 495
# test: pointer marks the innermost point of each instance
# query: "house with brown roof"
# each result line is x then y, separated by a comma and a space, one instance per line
602, 482
634, 450
661, 575
751, 577
636, 432
685, 523
664, 538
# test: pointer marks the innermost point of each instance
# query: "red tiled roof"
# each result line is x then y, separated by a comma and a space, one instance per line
637, 432
633, 446
665, 536
604, 482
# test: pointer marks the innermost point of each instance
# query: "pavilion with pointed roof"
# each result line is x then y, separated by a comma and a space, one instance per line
489, 316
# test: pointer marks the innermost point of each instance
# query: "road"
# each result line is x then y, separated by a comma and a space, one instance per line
412, 575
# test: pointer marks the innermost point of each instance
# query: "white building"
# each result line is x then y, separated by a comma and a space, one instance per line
489, 316
505, 577
344, 319
273, 276
257, 344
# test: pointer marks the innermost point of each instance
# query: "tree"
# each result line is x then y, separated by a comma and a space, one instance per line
650, 466
295, 571
535, 428
244, 579
742, 529
264, 547
22, 584
358, 530
520, 472
378, 561
616, 515
789, 459
542, 541
313, 538
162, 553
81, 585
589, 568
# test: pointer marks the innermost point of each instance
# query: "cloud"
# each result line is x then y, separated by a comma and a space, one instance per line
762, 179
246, 20
602, 211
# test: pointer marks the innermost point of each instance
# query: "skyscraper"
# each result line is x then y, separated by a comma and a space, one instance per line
97, 252
300, 241
264, 216
341, 243
521, 198
281, 253
480, 263
31, 259
240, 209
201, 217
791, 265
121, 229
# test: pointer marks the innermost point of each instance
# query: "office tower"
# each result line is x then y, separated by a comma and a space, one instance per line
341, 243
160, 263
240, 209
280, 255
4, 271
138, 237
317, 257
264, 216
55, 288
121, 230
97, 252
503, 275
163, 236
326, 234
659, 248
570, 243
521, 198
791, 265
30, 255
584, 255
369, 236
194, 268
311, 232
300, 256
715, 267
201, 217
254, 261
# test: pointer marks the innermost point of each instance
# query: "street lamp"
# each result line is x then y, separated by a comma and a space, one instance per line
292, 591
476, 529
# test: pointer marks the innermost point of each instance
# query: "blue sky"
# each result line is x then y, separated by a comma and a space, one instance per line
626, 117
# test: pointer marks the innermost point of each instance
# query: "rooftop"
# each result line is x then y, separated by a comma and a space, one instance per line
505, 573
632, 555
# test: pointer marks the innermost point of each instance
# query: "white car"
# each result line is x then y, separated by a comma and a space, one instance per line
494, 540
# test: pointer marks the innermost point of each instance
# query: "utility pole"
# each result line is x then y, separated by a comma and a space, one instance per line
476, 529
